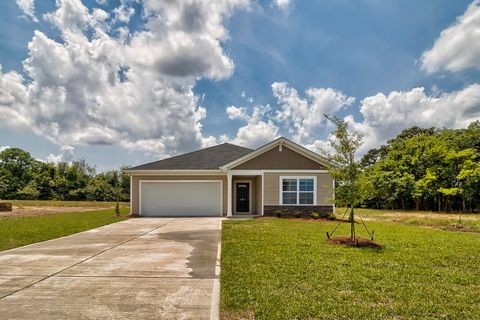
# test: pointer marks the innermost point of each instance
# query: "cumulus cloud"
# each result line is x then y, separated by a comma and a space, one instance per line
258, 130
123, 13
28, 8
304, 117
100, 15
458, 46
66, 155
239, 113
383, 116
133, 89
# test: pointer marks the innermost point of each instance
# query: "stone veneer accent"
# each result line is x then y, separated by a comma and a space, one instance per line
292, 211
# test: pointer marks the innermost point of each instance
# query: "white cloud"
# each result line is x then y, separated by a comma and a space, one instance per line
385, 116
100, 15
123, 13
103, 2
248, 99
239, 113
258, 130
66, 154
304, 117
28, 8
282, 4
134, 90
3, 148
458, 46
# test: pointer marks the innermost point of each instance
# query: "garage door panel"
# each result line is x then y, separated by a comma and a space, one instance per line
181, 198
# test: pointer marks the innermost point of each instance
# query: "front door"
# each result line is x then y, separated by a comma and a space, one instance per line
243, 201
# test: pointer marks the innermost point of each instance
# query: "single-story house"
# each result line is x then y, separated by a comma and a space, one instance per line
227, 179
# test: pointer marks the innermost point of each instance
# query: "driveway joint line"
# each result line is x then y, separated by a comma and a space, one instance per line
88, 258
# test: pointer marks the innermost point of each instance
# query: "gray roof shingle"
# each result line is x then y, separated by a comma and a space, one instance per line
204, 159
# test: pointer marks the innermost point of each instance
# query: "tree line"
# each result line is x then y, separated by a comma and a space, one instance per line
23, 177
424, 169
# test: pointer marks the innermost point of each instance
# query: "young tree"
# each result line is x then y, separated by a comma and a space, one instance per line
347, 169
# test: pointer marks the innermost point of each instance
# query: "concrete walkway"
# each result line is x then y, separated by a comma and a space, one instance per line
150, 268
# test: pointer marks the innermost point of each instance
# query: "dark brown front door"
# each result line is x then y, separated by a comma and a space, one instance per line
243, 201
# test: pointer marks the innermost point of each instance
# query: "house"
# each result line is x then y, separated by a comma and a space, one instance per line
227, 179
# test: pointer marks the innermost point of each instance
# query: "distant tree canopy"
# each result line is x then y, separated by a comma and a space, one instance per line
23, 177
425, 169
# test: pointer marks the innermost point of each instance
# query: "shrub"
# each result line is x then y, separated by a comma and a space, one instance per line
315, 215
29, 192
331, 216
278, 213
297, 215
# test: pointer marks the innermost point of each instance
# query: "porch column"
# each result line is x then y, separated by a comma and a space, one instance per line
229, 194
263, 188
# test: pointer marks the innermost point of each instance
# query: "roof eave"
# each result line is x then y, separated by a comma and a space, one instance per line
175, 172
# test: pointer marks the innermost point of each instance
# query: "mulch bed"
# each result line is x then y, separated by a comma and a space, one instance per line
309, 219
360, 242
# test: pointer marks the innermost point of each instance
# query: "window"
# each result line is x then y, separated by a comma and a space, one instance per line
298, 191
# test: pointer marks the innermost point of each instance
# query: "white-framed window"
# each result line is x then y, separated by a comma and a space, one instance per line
298, 190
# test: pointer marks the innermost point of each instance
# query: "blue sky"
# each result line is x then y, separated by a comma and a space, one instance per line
384, 65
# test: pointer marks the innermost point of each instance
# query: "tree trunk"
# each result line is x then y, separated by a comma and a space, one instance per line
352, 223
417, 204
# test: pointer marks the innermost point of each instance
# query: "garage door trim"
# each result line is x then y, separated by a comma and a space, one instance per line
185, 181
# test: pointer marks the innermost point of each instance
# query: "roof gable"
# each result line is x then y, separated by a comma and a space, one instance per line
280, 143
211, 158
280, 158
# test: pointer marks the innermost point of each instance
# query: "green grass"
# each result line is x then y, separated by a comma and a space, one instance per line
57, 203
419, 218
20, 231
285, 269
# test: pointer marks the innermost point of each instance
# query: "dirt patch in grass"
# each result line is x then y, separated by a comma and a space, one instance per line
321, 220
418, 215
458, 227
358, 242
43, 210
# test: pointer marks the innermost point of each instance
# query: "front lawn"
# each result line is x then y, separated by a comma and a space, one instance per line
284, 269
469, 221
59, 203
20, 231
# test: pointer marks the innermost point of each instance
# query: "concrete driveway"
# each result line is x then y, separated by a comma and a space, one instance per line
150, 268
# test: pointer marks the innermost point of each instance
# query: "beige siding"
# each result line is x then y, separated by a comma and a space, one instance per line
275, 159
272, 186
136, 179
253, 194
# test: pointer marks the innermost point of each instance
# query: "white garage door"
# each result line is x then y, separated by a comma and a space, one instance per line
180, 198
